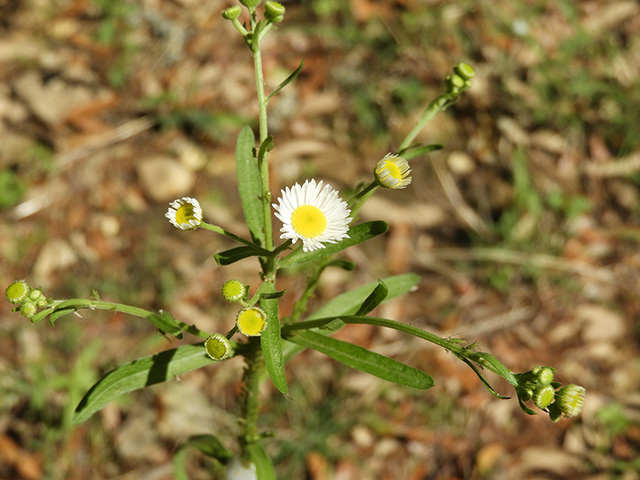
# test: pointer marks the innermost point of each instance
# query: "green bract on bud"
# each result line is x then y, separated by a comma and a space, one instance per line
250, 4
233, 290
232, 13
570, 399
544, 375
17, 292
274, 12
251, 321
465, 71
42, 302
217, 346
28, 309
543, 397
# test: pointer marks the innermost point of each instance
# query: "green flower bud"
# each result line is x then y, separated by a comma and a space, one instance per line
17, 292
217, 347
42, 302
455, 84
544, 375
570, 399
465, 71
28, 309
232, 13
250, 4
543, 397
251, 321
35, 294
274, 12
233, 290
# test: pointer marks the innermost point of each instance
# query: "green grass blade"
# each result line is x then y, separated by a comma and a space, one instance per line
357, 234
139, 374
364, 360
249, 184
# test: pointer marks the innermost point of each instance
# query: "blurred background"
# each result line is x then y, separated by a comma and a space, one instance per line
524, 228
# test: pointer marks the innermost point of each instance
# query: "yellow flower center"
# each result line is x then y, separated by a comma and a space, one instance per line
308, 221
184, 214
251, 321
393, 170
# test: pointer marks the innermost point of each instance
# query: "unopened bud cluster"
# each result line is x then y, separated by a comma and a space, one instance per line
273, 13
537, 384
460, 80
28, 300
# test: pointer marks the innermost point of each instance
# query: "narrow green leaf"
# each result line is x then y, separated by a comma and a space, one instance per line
272, 342
349, 302
286, 81
233, 255
265, 147
272, 295
249, 184
210, 446
165, 322
264, 467
357, 234
180, 464
364, 360
56, 314
484, 381
139, 374
417, 150
374, 299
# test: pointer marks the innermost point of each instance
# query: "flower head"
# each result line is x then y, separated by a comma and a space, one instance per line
17, 292
251, 321
233, 290
393, 172
570, 399
312, 213
185, 213
217, 347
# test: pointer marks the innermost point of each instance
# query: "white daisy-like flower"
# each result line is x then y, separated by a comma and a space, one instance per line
185, 213
314, 213
393, 172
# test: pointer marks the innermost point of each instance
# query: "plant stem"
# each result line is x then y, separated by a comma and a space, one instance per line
251, 402
436, 106
263, 165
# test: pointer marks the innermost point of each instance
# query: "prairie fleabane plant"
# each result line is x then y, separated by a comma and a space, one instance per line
315, 214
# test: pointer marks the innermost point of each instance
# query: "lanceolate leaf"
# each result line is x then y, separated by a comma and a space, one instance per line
272, 342
238, 253
357, 234
139, 374
349, 302
364, 360
374, 299
417, 150
286, 81
249, 184
210, 446
264, 467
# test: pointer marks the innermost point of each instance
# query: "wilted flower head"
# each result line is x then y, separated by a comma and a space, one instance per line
393, 172
185, 213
